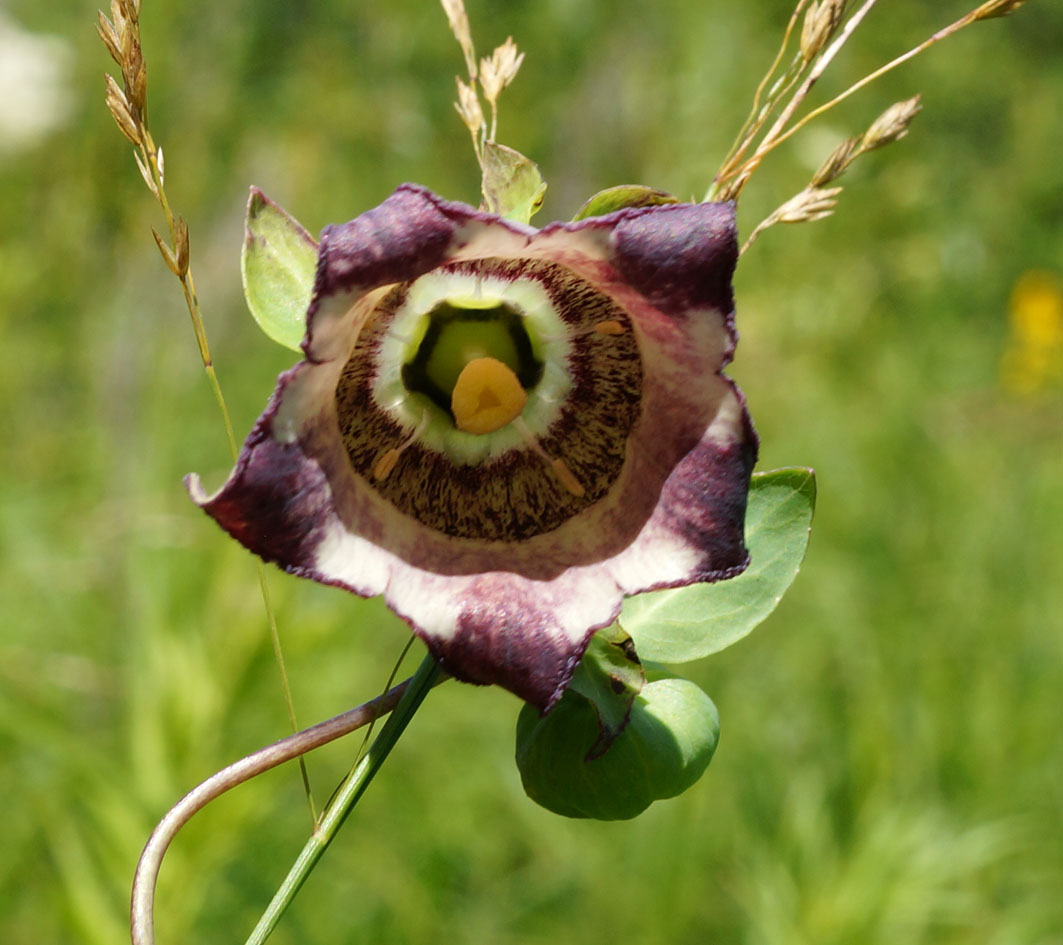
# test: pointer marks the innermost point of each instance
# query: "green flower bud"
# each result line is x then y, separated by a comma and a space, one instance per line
665, 747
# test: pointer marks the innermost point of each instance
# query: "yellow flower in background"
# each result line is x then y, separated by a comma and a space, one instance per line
1033, 357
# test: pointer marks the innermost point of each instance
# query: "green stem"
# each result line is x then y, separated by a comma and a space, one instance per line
349, 794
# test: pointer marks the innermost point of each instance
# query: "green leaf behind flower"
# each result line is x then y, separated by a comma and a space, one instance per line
621, 198
512, 185
278, 263
688, 623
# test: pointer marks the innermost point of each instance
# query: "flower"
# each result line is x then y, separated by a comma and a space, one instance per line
1033, 358
506, 430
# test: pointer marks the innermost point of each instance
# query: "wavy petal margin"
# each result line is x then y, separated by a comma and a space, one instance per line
517, 613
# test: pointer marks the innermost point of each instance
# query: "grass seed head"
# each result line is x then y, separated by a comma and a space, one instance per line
892, 124
459, 26
167, 254
995, 8
119, 107
468, 106
821, 20
107, 33
135, 74
501, 69
181, 247
146, 174
837, 162
812, 203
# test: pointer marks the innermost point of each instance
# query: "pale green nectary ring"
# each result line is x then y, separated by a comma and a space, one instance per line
619, 462
495, 486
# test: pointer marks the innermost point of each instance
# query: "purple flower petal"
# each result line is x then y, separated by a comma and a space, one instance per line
627, 471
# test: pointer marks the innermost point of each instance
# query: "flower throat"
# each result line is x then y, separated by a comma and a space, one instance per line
475, 362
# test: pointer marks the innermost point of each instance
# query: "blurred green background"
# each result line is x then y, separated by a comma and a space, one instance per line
890, 765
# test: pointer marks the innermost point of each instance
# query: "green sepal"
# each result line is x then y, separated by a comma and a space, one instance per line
621, 198
609, 676
664, 749
688, 623
278, 264
512, 185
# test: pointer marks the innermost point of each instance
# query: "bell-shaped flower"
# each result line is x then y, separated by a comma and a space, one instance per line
506, 430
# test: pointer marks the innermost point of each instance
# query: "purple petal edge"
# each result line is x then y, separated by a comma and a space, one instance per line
494, 626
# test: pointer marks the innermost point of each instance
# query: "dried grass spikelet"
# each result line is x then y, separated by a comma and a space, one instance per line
501, 69
146, 174
181, 246
995, 8
168, 255
121, 110
892, 124
468, 106
837, 162
459, 26
121, 35
127, 103
135, 74
105, 29
494, 73
812, 203
821, 20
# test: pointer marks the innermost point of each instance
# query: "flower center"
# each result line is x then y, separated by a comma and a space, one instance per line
491, 399
475, 361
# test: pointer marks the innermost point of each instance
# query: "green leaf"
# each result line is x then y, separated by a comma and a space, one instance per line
665, 747
512, 185
621, 198
687, 623
278, 264
610, 677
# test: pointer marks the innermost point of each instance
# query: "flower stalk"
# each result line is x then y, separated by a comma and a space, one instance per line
415, 689
142, 904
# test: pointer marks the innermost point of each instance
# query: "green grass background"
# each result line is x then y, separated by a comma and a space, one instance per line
890, 764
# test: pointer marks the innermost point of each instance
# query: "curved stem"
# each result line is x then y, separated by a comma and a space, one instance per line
142, 903
350, 792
